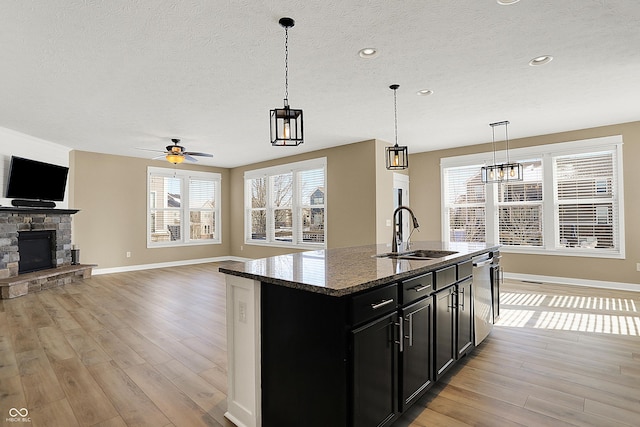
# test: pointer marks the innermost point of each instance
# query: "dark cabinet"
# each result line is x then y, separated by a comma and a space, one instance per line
445, 323
453, 319
392, 355
464, 317
374, 372
416, 353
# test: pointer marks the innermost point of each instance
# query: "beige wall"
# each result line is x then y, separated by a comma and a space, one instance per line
426, 202
351, 198
111, 193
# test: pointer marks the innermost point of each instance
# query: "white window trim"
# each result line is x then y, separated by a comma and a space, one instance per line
319, 163
186, 174
545, 152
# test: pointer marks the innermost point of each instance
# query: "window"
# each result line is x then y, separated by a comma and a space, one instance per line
285, 205
465, 201
184, 207
520, 208
569, 202
586, 208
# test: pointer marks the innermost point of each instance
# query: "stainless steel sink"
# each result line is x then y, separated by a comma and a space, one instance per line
420, 254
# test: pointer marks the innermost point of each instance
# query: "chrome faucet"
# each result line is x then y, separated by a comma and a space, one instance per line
396, 234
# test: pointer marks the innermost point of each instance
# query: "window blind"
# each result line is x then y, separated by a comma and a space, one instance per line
183, 207
586, 207
465, 197
520, 208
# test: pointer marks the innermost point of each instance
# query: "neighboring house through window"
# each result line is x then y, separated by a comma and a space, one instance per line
570, 201
286, 205
184, 207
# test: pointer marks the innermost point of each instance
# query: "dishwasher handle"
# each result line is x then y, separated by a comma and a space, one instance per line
482, 263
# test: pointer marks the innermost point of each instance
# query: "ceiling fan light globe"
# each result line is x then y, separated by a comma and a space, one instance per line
175, 158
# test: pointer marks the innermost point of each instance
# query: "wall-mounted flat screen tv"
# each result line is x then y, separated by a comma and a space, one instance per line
33, 180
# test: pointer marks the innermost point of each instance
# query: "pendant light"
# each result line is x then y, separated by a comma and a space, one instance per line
397, 156
286, 123
504, 171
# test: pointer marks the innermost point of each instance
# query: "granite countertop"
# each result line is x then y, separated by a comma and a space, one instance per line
343, 271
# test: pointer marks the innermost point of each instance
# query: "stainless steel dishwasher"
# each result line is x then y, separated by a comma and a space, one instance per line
483, 302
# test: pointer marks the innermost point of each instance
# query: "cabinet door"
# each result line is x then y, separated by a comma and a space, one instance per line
417, 351
445, 351
374, 372
464, 317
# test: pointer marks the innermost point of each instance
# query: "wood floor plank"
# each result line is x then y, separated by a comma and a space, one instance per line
54, 414
40, 383
11, 393
609, 412
117, 349
177, 406
578, 418
150, 352
90, 404
8, 364
113, 422
133, 405
55, 344
191, 384
87, 349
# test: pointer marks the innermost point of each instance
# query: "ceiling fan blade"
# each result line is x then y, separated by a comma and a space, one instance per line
199, 154
189, 158
159, 157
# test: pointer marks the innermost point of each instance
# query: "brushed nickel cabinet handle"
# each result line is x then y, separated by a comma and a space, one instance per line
381, 304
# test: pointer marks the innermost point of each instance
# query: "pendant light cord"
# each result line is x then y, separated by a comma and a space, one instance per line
506, 135
395, 112
493, 143
286, 65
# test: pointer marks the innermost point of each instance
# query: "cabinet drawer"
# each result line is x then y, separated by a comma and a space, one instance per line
465, 269
416, 288
373, 303
445, 277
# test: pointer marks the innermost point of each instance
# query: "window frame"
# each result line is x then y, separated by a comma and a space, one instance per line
550, 222
185, 176
296, 205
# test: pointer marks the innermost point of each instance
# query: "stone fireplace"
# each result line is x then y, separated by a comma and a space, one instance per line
35, 250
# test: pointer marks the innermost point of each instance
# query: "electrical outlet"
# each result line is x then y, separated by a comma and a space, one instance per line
242, 312
128, 254
638, 266
241, 248
388, 223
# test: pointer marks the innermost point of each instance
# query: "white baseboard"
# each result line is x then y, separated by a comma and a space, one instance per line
571, 281
98, 271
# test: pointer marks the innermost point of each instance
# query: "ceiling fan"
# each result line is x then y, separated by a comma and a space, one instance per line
177, 153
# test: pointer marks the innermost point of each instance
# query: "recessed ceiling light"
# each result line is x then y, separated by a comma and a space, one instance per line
425, 92
507, 2
540, 60
368, 52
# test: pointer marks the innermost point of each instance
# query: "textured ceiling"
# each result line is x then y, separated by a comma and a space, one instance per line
114, 76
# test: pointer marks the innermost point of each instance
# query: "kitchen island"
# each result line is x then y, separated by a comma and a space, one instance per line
346, 336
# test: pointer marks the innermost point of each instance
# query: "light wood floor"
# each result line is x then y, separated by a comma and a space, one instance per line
148, 348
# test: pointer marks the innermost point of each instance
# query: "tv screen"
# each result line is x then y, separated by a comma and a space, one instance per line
33, 180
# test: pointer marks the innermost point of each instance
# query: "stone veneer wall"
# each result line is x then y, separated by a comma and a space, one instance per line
13, 221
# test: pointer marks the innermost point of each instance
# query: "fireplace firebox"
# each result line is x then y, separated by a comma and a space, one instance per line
37, 249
